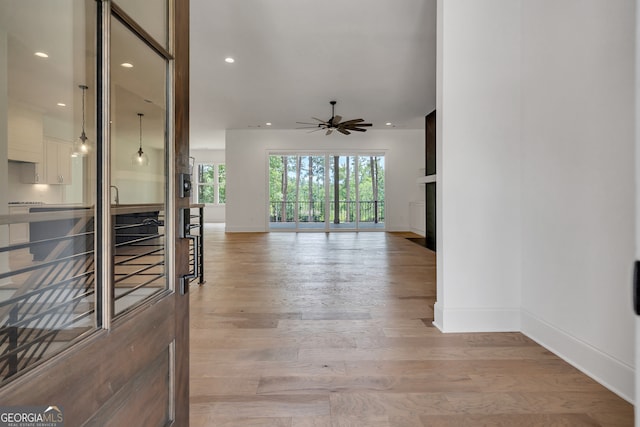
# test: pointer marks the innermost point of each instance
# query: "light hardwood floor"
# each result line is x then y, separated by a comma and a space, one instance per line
335, 330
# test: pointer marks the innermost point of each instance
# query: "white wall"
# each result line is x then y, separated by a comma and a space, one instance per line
536, 208
478, 146
212, 213
247, 171
578, 191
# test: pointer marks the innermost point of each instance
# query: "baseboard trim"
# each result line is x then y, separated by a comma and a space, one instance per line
612, 373
476, 320
437, 316
418, 231
245, 229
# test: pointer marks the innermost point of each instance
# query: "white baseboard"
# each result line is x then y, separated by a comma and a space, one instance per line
612, 373
253, 229
418, 231
437, 315
476, 320
400, 228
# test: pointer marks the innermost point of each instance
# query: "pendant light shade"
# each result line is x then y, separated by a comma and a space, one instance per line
82, 145
140, 158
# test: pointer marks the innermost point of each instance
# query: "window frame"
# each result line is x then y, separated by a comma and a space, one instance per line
216, 184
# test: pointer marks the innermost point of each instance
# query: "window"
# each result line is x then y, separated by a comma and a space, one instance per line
211, 184
326, 191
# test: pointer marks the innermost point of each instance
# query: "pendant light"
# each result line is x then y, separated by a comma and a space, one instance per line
139, 158
82, 146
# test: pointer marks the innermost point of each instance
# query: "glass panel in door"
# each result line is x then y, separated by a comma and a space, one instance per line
152, 15
138, 164
47, 232
342, 192
371, 207
311, 192
282, 191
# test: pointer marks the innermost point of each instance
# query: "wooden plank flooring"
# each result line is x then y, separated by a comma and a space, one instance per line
297, 330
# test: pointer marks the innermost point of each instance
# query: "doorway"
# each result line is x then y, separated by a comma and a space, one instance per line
326, 192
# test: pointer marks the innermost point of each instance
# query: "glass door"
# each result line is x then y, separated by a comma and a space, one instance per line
371, 207
326, 192
343, 193
311, 192
282, 191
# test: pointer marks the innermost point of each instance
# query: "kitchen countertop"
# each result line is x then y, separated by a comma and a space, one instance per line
74, 210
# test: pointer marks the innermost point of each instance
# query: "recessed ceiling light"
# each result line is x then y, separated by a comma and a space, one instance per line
268, 123
41, 54
61, 104
126, 65
229, 60
389, 123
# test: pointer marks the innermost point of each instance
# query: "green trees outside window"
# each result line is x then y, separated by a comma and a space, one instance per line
211, 183
297, 185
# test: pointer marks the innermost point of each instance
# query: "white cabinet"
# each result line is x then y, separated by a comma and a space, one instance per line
18, 233
58, 161
32, 173
25, 133
56, 168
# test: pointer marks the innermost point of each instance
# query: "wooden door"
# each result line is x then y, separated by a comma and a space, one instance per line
128, 362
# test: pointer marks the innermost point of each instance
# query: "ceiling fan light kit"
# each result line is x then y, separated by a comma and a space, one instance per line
336, 123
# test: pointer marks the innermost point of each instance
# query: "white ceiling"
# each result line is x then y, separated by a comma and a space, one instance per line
376, 58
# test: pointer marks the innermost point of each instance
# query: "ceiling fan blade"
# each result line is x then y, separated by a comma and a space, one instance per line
345, 128
349, 122
315, 130
360, 125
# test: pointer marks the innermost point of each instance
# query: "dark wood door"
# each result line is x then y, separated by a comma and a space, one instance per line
133, 369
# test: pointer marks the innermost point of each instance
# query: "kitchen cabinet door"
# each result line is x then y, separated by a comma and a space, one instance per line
64, 162
58, 164
24, 134
32, 173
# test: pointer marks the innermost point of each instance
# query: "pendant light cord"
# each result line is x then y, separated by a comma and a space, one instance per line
140, 117
83, 135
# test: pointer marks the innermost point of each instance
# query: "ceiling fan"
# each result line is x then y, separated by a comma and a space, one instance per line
346, 127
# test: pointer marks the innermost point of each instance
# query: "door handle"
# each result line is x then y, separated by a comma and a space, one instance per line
186, 234
185, 279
